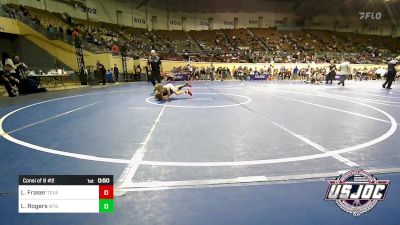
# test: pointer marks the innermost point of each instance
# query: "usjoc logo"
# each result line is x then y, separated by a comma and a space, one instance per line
370, 15
356, 191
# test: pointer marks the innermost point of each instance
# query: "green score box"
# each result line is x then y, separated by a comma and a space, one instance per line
106, 205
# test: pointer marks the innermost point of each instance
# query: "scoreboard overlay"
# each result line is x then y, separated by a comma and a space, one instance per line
66, 194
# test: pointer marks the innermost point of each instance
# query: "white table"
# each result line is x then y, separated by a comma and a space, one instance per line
53, 79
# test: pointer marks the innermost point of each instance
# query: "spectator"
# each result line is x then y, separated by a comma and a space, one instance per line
212, 72
109, 76
101, 72
344, 71
75, 33
138, 72
8, 78
295, 72
115, 48
36, 20
69, 19
146, 68
116, 72
50, 28
69, 31
4, 57
20, 67
61, 32
23, 10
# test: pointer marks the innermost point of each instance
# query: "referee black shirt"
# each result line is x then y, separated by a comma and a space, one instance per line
155, 64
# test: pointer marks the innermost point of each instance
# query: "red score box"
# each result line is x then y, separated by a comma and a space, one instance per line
106, 191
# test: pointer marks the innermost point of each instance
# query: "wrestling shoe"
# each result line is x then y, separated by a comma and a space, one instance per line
189, 92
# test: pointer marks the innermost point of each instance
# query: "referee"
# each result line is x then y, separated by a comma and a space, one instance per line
154, 63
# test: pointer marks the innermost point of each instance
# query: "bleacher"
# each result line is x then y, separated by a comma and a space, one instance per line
103, 37
271, 38
177, 39
241, 38
47, 19
328, 39
299, 40
210, 40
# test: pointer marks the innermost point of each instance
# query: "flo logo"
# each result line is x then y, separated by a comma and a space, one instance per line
356, 191
370, 15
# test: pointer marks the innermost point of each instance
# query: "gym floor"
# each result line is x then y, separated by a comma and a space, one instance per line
233, 153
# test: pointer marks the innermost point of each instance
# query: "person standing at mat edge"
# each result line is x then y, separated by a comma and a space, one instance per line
116, 73
101, 72
212, 72
332, 73
344, 71
391, 73
154, 63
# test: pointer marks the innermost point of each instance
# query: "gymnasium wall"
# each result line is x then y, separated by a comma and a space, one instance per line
8, 26
15, 43
350, 24
128, 15
106, 11
8, 42
31, 54
396, 31
34, 56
